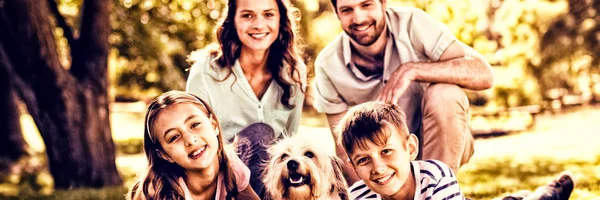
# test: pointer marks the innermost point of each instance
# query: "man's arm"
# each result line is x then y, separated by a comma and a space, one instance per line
459, 65
349, 173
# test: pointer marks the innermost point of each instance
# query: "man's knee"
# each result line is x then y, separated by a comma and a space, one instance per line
445, 120
257, 133
260, 127
445, 97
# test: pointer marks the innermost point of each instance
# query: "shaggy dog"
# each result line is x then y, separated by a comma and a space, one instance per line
301, 169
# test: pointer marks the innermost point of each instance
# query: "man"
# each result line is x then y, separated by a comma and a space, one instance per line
403, 56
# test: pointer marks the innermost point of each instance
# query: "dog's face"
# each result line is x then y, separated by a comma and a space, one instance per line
301, 169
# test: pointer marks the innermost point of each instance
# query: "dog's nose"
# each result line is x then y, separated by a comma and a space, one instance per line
292, 165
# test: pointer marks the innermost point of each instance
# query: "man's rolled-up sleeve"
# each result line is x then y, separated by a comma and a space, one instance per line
326, 97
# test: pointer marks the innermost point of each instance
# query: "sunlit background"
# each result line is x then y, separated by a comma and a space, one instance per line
542, 116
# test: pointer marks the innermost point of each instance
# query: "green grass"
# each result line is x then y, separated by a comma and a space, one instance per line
79, 194
481, 179
501, 165
498, 176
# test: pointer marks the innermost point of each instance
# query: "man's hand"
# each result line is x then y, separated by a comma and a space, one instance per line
397, 84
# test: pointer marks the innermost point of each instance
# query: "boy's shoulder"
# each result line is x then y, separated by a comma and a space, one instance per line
435, 180
432, 169
359, 191
431, 175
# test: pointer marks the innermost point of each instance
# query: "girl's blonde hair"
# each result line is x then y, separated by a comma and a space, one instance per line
161, 179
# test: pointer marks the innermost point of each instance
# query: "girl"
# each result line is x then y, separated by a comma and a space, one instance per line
183, 143
255, 76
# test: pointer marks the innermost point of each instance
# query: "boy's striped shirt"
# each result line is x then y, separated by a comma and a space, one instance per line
434, 181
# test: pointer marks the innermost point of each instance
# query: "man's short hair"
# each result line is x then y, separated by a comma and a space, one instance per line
370, 122
334, 3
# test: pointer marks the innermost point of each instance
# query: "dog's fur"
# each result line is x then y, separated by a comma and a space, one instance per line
322, 176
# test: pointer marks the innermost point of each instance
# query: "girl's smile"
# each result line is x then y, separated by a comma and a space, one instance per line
197, 153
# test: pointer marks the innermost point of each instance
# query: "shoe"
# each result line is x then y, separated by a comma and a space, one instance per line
518, 195
564, 185
559, 189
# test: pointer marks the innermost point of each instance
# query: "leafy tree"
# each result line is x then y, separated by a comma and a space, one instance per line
154, 38
510, 34
570, 50
536, 46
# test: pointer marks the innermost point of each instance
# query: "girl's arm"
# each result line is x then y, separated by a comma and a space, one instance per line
248, 193
242, 175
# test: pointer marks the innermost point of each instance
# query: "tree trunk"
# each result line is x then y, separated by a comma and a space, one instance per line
70, 108
12, 144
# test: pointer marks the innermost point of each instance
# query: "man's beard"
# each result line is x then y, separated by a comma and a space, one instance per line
370, 38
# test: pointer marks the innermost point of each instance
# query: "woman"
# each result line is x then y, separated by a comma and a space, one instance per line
255, 81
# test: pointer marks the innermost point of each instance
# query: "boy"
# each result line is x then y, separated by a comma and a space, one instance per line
382, 152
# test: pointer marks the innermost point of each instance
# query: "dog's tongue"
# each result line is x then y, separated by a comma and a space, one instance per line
296, 180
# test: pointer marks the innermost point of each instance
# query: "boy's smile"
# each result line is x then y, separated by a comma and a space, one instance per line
385, 179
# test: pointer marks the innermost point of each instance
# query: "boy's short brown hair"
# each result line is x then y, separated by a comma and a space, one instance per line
370, 122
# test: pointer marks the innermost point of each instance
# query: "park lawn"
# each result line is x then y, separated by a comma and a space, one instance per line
500, 165
79, 194
526, 160
499, 176
488, 179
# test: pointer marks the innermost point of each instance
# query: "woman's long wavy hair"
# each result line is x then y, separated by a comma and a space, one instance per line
285, 51
162, 176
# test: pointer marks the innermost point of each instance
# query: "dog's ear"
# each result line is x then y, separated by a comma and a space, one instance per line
343, 193
272, 181
340, 181
337, 164
285, 134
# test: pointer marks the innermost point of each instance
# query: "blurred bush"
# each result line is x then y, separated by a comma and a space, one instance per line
152, 39
130, 146
534, 45
29, 175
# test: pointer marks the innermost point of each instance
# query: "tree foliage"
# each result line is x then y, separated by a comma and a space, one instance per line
155, 38
524, 39
535, 45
